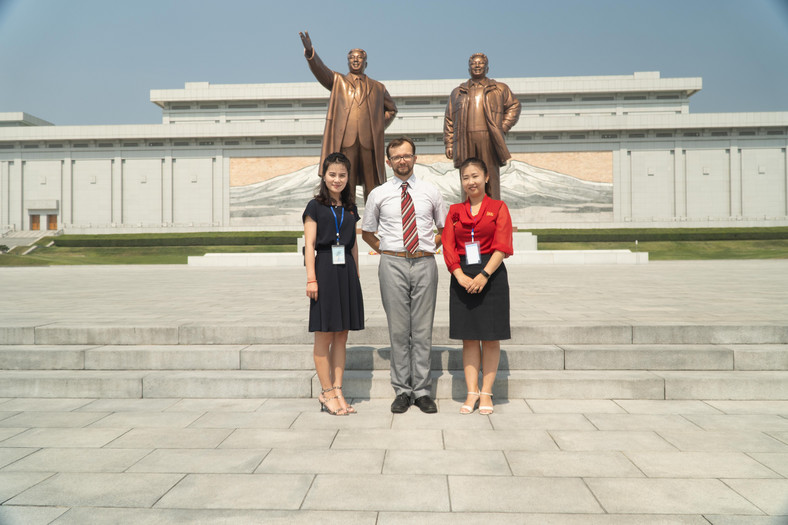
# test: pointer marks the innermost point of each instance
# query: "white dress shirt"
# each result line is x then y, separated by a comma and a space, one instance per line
383, 213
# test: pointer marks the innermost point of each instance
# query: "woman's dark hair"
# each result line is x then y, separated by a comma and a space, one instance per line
480, 163
323, 195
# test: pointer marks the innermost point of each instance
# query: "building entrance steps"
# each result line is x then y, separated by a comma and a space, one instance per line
678, 330
653, 371
376, 333
653, 357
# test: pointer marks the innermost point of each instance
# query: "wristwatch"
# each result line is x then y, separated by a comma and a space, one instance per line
484, 273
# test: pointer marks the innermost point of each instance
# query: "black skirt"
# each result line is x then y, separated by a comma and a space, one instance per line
339, 305
483, 316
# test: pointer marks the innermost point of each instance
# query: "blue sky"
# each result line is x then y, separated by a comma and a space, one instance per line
95, 61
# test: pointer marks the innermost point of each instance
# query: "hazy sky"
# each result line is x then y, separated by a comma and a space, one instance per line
95, 61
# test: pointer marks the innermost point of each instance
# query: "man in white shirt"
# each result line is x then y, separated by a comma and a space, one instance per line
403, 211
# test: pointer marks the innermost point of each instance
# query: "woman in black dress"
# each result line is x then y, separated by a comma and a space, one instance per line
332, 278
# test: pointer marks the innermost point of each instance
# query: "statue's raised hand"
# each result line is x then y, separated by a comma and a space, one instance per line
306, 41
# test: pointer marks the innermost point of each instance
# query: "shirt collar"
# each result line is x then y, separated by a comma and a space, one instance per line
396, 181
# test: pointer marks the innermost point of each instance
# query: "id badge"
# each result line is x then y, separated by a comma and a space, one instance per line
472, 253
338, 254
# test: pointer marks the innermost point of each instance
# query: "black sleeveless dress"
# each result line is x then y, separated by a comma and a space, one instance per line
340, 304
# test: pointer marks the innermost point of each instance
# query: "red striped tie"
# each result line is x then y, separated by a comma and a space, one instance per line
410, 235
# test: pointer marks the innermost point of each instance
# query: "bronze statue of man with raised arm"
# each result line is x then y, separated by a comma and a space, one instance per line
479, 114
359, 110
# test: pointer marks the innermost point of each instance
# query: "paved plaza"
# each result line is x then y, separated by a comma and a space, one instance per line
278, 460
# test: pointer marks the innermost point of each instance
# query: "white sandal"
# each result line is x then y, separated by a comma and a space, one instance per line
467, 409
485, 410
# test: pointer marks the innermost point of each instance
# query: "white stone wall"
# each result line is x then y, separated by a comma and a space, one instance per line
669, 166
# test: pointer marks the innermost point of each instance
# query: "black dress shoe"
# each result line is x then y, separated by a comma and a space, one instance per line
401, 404
426, 404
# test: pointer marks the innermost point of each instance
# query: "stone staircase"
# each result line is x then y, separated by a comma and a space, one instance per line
541, 361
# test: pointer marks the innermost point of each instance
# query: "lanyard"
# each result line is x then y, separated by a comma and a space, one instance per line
338, 224
474, 217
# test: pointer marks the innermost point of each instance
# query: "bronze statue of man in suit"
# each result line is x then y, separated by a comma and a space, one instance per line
478, 115
359, 110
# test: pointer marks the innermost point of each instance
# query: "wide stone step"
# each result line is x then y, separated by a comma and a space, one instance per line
590, 333
161, 384
534, 384
368, 357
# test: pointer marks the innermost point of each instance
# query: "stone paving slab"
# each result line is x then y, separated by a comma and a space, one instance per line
278, 438
157, 516
449, 462
78, 460
30, 515
389, 439
238, 491
723, 441
521, 518
700, 465
381, 492
12, 455
778, 462
769, 495
670, 496
52, 419
572, 464
64, 437
774, 406
746, 520
601, 440
200, 461
98, 489
149, 438
480, 440
226, 419
574, 406
295, 461
521, 494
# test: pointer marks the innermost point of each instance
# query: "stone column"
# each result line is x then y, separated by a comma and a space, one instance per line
734, 158
116, 172
166, 189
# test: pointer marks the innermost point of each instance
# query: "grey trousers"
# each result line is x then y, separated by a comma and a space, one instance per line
408, 289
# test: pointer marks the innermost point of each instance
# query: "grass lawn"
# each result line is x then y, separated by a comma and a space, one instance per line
175, 248
138, 255
686, 250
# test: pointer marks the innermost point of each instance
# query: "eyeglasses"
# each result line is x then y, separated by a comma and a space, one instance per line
402, 157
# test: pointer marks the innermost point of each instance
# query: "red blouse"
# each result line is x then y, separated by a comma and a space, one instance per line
493, 230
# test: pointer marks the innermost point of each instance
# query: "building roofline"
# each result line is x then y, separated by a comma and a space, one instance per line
21, 119
649, 81
315, 127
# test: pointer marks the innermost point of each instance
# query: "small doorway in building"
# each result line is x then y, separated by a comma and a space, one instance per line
35, 222
51, 222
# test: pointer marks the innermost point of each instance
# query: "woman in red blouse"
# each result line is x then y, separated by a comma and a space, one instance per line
476, 239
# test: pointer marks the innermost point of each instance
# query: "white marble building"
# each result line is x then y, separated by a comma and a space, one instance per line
587, 152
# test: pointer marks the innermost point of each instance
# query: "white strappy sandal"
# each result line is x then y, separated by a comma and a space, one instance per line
485, 410
468, 409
